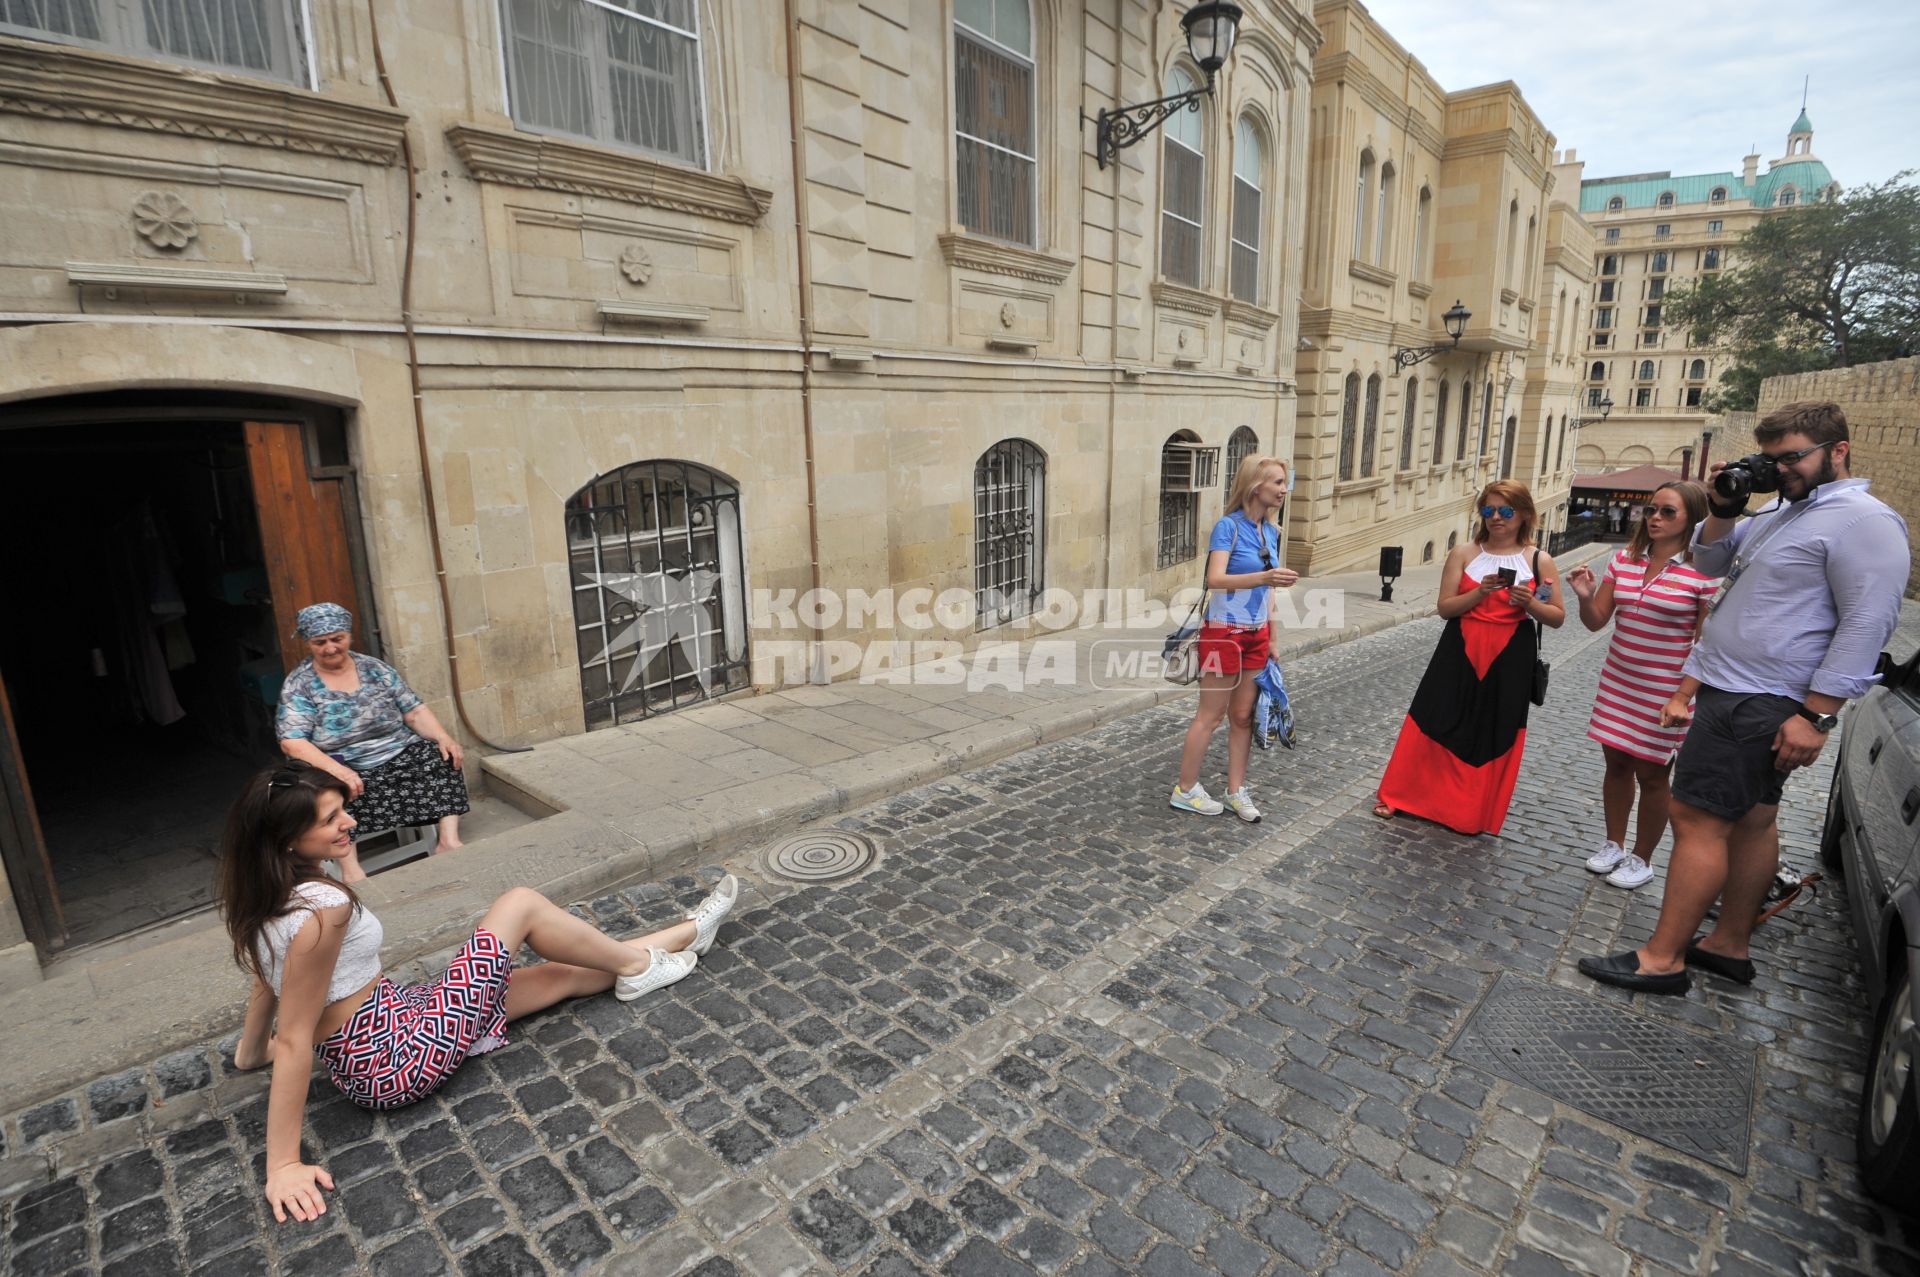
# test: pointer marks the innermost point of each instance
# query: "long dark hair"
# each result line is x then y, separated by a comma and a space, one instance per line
258, 870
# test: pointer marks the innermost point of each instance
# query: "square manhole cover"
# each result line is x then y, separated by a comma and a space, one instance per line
1689, 1092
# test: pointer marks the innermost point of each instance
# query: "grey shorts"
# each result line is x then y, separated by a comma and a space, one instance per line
1726, 764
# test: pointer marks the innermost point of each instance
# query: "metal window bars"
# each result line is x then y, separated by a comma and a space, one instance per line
1009, 532
659, 589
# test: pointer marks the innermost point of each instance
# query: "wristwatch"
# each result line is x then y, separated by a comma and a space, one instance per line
1821, 722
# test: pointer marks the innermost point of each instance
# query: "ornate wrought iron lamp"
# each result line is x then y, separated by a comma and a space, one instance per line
1211, 27
1606, 409
1455, 319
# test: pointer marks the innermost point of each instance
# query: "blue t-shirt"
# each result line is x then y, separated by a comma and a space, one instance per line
362, 728
1244, 537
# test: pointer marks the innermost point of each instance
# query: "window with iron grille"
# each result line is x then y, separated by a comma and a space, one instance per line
1183, 184
1409, 422
1370, 433
996, 171
623, 72
659, 589
1179, 499
252, 37
1249, 159
1009, 531
1349, 424
1466, 420
1440, 426
1243, 443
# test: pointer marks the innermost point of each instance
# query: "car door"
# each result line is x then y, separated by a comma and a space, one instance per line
1889, 827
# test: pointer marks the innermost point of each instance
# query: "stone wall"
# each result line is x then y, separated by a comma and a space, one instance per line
1882, 403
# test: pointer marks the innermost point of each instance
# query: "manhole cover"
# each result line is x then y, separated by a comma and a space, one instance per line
821, 855
1689, 1092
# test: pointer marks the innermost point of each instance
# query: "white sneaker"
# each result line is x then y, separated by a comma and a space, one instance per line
662, 970
1195, 800
1633, 872
1243, 806
1607, 859
712, 912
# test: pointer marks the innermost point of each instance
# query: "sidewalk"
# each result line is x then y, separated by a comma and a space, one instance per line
632, 804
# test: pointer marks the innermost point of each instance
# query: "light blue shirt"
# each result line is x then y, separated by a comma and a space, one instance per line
1816, 597
1244, 537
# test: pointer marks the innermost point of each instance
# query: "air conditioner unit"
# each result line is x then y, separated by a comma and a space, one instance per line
1189, 467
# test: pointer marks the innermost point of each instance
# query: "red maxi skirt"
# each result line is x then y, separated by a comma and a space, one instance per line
1459, 749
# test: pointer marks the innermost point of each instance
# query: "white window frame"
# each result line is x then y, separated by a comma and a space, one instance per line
123, 30
1169, 137
1033, 123
1247, 128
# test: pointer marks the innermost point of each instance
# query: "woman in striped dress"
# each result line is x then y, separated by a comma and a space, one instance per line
1655, 601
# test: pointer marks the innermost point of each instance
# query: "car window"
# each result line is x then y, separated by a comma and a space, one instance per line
1908, 686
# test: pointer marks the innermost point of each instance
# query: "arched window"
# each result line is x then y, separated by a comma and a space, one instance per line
1787, 197
1526, 263
1409, 423
1349, 425
1660, 262
1426, 555
1183, 469
659, 590
1009, 531
1719, 195
1560, 449
1486, 419
1465, 423
995, 169
1710, 260
1383, 219
1453, 539
1666, 199
1422, 221
1646, 370
1362, 205
1615, 204
1508, 436
1242, 444
1697, 369
1440, 425
1249, 162
1370, 436
1610, 264
1513, 239
1183, 184
1598, 372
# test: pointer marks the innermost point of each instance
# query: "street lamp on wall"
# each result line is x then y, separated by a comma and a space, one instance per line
1455, 319
1606, 408
1211, 28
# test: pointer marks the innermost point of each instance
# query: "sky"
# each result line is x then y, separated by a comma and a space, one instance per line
1689, 86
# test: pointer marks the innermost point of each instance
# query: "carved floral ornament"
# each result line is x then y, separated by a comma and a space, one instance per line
164, 220
636, 264
1006, 314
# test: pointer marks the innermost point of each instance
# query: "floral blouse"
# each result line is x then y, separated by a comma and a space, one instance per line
362, 728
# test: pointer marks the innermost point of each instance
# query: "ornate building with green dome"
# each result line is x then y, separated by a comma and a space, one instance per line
1654, 232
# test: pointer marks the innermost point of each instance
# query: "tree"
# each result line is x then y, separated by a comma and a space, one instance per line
1825, 285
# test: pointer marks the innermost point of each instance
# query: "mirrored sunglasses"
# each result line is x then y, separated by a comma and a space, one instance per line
1504, 511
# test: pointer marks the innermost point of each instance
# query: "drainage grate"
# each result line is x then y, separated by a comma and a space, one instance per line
821, 855
1689, 1092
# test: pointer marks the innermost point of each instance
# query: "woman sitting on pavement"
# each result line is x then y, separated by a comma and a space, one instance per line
1243, 568
314, 953
355, 718
1656, 602
1459, 749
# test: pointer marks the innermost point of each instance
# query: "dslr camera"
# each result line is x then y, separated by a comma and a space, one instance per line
1738, 480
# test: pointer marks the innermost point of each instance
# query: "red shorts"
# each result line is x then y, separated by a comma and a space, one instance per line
1232, 649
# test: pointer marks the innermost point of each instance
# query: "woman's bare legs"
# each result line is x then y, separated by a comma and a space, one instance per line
537, 988
1616, 794
1240, 729
1216, 696
1656, 800
449, 830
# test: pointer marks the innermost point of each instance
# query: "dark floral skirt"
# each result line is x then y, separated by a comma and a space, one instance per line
414, 787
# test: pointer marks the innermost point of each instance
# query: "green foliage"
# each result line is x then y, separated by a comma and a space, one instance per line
1826, 285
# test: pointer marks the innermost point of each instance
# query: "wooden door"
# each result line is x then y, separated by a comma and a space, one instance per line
25, 855
303, 530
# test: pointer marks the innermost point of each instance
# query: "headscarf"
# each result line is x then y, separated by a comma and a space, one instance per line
322, 618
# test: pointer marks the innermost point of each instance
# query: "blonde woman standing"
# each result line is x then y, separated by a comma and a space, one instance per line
1243, 570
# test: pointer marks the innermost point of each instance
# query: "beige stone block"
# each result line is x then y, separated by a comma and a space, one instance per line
833, 161
505, 539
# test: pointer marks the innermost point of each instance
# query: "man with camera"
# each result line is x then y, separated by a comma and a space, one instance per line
1811, 593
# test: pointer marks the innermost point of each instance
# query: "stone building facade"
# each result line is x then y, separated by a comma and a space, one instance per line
1421, 198
611, 323
1658, 232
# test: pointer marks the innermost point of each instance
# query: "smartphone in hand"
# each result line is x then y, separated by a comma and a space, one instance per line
1505, 576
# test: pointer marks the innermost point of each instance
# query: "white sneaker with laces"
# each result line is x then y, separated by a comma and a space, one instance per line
663, 969
1633, 872
1607, 859
712, 912
1195, 800
1242, 805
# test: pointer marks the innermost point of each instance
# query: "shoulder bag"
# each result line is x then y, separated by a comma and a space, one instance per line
1540, 668
1180, 657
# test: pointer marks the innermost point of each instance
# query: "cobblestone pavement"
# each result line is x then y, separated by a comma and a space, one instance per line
1058, 1029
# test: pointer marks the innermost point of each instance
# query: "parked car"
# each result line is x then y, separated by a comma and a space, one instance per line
1872, 837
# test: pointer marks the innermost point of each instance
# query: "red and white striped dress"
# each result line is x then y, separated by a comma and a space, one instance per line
1653, 630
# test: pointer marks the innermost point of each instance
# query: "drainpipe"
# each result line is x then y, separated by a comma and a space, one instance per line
816, 654
419, 413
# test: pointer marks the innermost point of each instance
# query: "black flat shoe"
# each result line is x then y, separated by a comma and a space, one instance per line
1738, 970
1622, 971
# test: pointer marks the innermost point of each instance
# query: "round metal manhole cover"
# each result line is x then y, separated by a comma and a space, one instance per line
821, 855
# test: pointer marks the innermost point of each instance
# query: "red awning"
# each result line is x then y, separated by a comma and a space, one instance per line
1647, 479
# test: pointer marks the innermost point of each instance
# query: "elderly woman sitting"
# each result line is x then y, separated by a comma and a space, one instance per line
355, 718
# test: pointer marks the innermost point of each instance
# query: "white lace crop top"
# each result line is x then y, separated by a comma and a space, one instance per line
359, 959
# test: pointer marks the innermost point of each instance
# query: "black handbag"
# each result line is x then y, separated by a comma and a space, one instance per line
1541, 671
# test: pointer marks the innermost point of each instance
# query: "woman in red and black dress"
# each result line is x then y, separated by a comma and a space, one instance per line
1459, 749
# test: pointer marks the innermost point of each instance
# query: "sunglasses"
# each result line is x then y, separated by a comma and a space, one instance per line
1788, 458
289, 774
1504, 511
1672, 512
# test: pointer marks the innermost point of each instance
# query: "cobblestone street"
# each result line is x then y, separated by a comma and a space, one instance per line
1058, 1029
